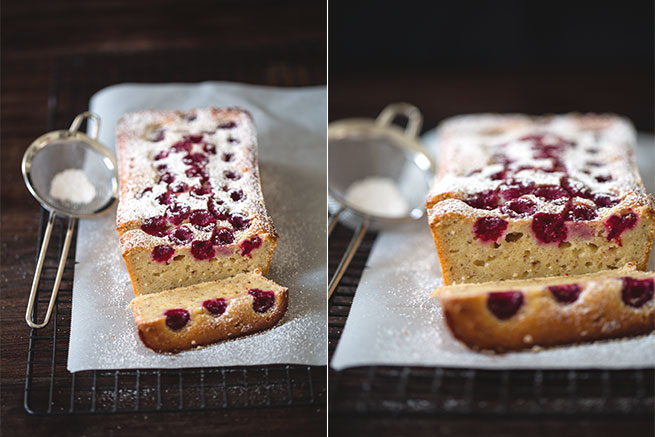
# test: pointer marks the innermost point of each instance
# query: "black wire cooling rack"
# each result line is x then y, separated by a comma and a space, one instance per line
468, 392
49, 388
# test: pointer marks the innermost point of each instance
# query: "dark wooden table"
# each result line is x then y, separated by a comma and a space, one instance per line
36, 36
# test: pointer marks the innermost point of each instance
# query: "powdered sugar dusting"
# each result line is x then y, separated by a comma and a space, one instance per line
482, 153
188, 159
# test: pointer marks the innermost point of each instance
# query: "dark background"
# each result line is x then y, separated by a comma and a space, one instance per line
502, 56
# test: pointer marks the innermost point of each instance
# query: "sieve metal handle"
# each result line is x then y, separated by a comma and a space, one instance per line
39, 267
414, 117
355, 241
77, 122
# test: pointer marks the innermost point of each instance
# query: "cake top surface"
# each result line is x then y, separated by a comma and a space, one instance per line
189, 176
515, 166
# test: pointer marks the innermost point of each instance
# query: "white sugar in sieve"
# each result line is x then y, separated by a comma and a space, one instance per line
376, 148
46, 157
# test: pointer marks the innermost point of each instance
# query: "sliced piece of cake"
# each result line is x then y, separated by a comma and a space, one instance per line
516, 314
200, 314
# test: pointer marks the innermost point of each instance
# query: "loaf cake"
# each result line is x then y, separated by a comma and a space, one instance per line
191, 208
516, 314
522, 197
200, 314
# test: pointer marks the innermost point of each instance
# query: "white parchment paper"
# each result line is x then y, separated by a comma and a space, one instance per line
393, 320
291, 126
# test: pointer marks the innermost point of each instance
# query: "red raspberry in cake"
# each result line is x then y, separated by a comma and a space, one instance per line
155, 226
162, 253
181, 235
217, 209
604, 200
483, 200
247, 246
177, 213
504, 304
202, 250
209, 148
202, 219
215, 306
227, 157
551, 192
513, 189
233, 175
164, 198
166, 178
200, 191
568, 293
616, 225
199, 159
182, 146
519, 208
549, 228
222, 236
237, 195
239, 222
177, 319
178, 187
579, 213
195, 139
489, 228
195, 171
636, 292
262, 300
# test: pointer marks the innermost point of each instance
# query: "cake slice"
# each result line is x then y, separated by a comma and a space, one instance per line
523, 197
516, 314
200, 314
191, 208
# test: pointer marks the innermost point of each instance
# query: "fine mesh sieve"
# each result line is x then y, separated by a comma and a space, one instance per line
363, 148
46, 157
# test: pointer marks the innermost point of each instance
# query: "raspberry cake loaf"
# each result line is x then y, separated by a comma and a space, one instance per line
523, 197
200, 314
516, 314
191, 207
